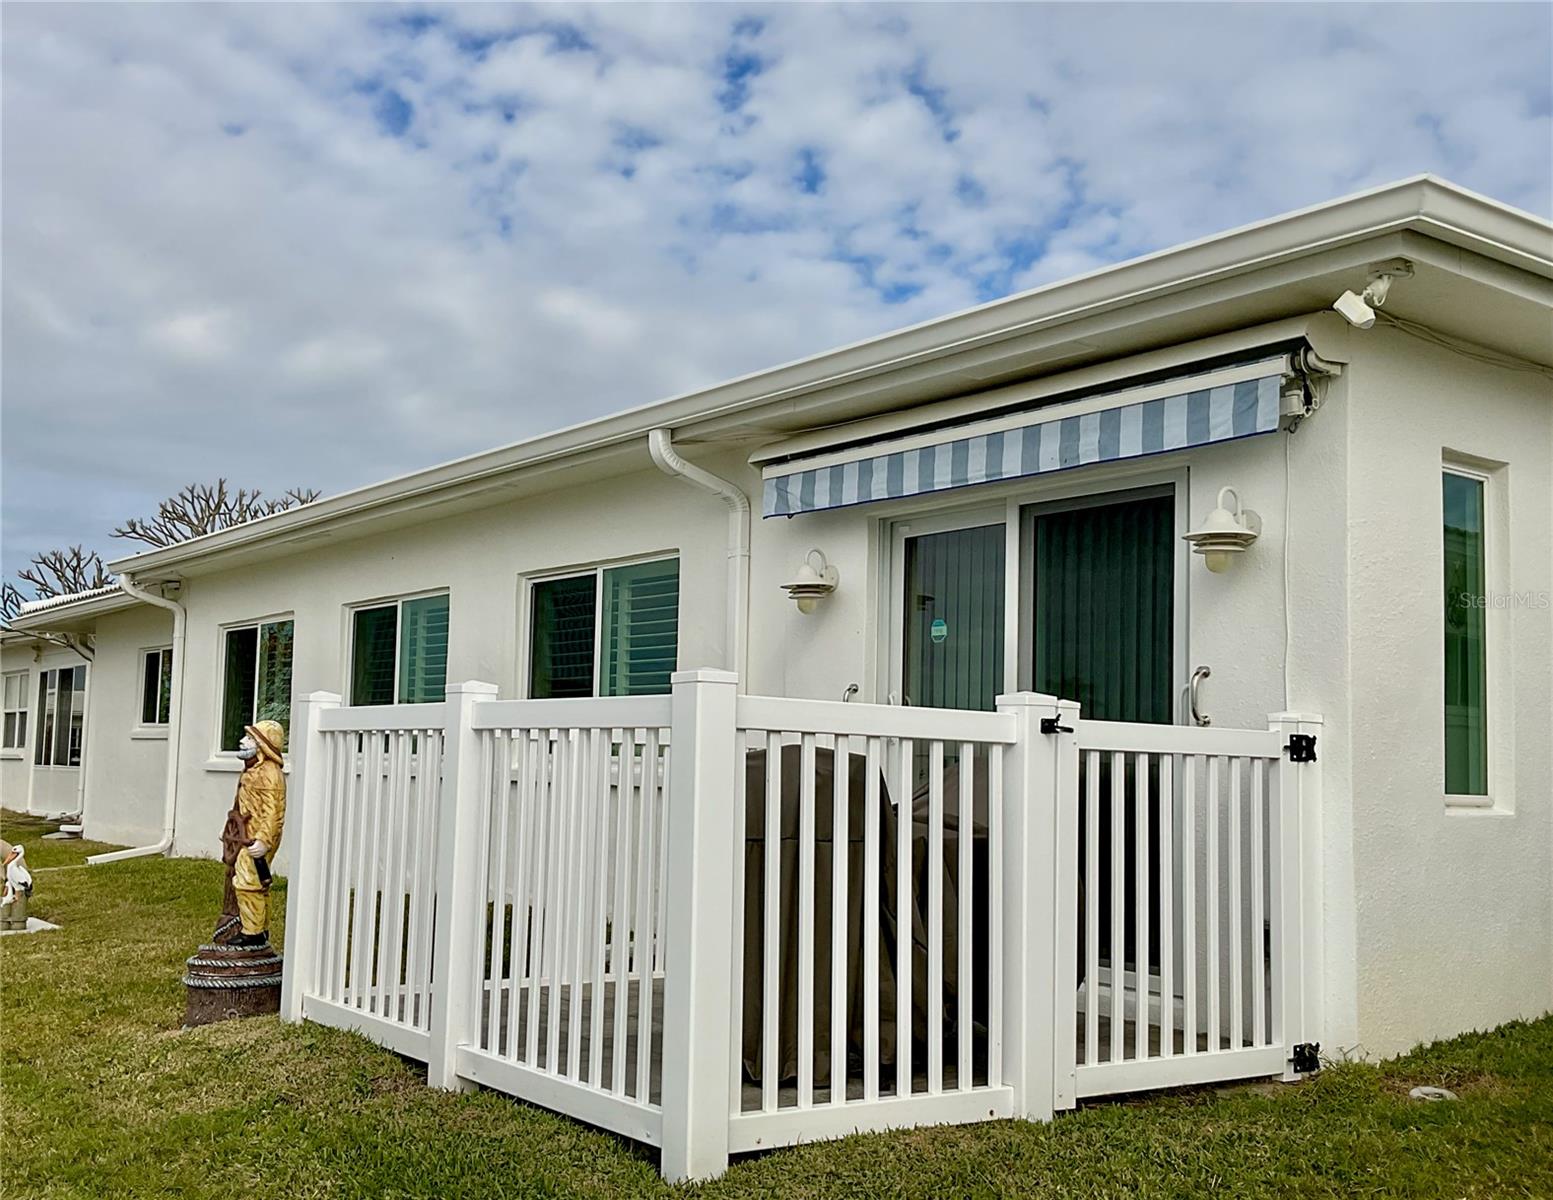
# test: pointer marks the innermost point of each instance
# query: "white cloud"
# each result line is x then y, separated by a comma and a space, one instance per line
404, 235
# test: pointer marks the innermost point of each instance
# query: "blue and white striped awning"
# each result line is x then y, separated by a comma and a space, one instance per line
1218, 407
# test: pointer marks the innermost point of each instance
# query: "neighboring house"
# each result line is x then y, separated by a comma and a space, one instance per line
1003, 495
110, 654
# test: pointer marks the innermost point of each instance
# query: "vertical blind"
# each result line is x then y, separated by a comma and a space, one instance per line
953, 620
1103, 600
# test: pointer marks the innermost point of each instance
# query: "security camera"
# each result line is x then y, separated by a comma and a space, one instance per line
1355, 311
1359, 311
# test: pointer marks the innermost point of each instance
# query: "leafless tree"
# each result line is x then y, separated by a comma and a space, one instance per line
65, 572
56, 573
202, 508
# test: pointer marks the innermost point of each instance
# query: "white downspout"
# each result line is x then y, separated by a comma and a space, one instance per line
174, 729
660, 444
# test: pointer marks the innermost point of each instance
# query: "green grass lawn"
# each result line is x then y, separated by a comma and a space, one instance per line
104, 1095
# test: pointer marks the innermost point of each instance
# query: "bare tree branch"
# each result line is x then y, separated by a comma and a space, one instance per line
65, 572
201, 508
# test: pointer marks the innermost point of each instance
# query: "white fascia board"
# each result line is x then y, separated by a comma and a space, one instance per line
1409, 203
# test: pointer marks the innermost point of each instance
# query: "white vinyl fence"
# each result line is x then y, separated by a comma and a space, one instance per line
717, 923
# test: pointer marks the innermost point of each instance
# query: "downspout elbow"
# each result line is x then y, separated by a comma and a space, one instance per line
660, 444
174, 728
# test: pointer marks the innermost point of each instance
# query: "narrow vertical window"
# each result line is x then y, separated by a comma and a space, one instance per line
156, 687
1466, 663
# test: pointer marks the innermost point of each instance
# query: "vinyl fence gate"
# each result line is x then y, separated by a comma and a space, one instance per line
717, 923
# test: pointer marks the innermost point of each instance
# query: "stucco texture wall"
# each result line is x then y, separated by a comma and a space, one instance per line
125, 762
483, 558
1455, 906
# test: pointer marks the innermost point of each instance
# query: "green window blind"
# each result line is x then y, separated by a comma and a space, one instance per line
1103, 600
954, 618
641, 628
423, 650
561, 642
1466, 664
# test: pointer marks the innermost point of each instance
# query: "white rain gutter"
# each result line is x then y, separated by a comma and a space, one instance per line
174, 729
660, 444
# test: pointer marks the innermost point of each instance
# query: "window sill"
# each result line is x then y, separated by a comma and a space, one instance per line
1475, 806
149, 732
7, 755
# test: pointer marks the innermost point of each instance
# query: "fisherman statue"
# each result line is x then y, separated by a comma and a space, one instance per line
238, 973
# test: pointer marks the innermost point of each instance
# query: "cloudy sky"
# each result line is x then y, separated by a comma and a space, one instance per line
319, 245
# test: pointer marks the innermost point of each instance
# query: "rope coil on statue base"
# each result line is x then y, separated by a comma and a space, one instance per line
224, 982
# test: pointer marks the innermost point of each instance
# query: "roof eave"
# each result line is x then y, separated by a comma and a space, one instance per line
1423, 203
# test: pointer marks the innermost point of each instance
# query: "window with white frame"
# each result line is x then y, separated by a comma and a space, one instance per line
15, 732
256, 677
610, 631
399, 651
156, 686
61, 717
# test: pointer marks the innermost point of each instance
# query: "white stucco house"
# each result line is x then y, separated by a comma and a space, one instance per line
49, 686
1001, 498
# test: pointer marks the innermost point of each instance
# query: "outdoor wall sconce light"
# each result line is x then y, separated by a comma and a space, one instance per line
815, 580
1225, 533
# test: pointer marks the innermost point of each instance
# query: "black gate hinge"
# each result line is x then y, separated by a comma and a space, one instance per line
1054, 725
1306, 1058
1302, 747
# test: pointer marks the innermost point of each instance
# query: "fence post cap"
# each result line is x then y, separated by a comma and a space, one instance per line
319, 698
1027, 700
473, 687
1295, 718
704, 675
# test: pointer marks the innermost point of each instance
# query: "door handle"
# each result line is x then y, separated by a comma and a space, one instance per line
1198, 717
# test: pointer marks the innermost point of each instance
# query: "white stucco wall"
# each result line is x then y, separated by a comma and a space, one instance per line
1455, 906
126, 765
481, 558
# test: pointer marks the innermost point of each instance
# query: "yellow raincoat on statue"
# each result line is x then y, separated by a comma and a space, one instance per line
258, 815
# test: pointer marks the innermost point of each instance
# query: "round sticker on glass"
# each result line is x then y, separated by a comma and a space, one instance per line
938, 630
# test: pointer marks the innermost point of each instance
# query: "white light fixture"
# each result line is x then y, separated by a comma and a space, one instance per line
815, 580
1359, 311
1225, 533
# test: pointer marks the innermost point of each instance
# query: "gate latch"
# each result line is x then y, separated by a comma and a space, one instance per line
1302, 747
1054, 725
1306, 1059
